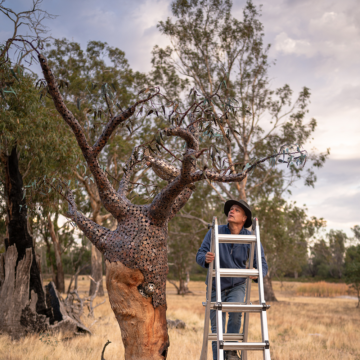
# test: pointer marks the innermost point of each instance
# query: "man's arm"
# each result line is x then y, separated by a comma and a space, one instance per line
204, 248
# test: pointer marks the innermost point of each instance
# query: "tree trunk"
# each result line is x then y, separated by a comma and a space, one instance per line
269, 292
96, 271
17, 225
48, 251
17, 311
143, 327
59, 278
183, 287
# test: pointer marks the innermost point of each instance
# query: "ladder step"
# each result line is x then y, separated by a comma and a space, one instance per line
230, 303
238, 307
236, 239
244, 346
227, 337
237, 272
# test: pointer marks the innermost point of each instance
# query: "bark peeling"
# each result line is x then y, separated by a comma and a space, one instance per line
143, 327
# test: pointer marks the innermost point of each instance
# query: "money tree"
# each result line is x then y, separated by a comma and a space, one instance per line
182, 153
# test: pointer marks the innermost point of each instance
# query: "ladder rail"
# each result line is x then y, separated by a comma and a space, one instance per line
219, 325
204, 350
264, 327
248, 294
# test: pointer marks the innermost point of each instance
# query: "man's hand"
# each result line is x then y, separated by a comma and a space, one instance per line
209, 257
253, 277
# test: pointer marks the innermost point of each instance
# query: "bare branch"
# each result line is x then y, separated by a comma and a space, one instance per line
103, 352
112, 202
162, 168
181, 200
116, 121
190, 139
128, 172
216, 190
95, 233
191, 217
226, 191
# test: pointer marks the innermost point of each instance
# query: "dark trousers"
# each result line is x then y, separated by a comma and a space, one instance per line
234, 294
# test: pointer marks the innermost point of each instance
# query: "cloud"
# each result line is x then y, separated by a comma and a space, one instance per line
316, 44
336, 196
283, 43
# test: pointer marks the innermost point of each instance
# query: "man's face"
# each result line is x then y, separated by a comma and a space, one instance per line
236, 215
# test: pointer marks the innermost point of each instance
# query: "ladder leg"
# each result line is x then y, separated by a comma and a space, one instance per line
204, 349
248, 294
264, 327
219, 319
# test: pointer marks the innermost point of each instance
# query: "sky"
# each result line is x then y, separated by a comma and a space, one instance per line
315, 44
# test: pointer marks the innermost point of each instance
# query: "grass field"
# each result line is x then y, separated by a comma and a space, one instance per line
324, 289
311, 328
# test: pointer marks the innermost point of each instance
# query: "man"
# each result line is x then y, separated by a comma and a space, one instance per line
231, 256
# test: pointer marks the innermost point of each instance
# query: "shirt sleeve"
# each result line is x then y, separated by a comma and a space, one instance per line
263, 261
204, 248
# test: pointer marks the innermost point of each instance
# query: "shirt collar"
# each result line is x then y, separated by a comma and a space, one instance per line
229, 232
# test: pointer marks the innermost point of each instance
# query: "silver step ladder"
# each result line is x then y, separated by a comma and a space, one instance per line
231, 341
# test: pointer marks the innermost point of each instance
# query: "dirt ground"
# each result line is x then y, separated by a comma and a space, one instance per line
309, 328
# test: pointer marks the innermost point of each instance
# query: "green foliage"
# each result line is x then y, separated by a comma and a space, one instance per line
337, 239
97, 83
352, 268
285, 231
44, 143
320, 259
186, 235
211, 49
327, 258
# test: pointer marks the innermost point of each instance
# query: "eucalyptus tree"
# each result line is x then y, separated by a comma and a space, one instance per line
136, 251
30, 150
30, 153
208, 47
286, 231
352, 264
94, 82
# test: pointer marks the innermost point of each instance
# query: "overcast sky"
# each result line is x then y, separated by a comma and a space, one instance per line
315, 44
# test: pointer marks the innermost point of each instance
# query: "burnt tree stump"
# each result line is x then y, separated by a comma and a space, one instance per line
18, 315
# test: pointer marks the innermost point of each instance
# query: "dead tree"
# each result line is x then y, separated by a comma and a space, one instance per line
17, 225
18, 311
136, 252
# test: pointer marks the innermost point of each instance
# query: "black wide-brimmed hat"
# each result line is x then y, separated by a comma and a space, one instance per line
244, 205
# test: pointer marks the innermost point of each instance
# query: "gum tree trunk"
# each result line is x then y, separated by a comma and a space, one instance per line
96, 271
269, 292
59, 277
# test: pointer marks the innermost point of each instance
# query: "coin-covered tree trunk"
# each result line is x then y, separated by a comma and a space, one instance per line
136, 251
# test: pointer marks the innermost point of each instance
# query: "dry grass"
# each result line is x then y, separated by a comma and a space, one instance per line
309, 328
324, 289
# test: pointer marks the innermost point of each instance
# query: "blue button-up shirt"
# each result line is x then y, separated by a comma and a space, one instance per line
232, 256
